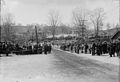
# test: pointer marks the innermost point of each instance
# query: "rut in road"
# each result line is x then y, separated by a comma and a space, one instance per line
88, 67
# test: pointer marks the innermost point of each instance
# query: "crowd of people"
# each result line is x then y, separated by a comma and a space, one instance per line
95, 48
8, 47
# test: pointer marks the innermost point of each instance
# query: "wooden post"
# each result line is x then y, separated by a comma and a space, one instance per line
36, 37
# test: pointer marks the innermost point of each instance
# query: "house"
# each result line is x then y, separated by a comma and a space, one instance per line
116, 35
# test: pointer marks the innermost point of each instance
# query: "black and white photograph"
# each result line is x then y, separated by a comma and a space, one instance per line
59, 40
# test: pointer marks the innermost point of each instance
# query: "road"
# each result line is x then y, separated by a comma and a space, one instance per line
56, 67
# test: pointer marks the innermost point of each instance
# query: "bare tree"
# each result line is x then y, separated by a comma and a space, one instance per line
97, 17
8, 30
1, 1
79, 18
54, 20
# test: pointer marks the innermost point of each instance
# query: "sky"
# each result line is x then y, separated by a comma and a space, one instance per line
36, 11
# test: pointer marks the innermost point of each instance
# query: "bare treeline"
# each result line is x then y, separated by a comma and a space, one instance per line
81, 19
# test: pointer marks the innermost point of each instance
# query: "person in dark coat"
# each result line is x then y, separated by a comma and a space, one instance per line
111, 49
82, 47
71, 47
49, 48
40, 49
75, 48
104, 48
17, 47
93, 49
90, 49
35, 50
98, 49
86, 48
78, 48
101, 48
45, 48
118, 48
0, 48
5, 49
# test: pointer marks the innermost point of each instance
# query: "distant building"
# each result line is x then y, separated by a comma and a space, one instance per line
116, 35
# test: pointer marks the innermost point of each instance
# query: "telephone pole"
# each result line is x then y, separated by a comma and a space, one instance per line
36, 37
83, 28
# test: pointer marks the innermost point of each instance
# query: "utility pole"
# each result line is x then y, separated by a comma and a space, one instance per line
32, 37
83, 28
36, 37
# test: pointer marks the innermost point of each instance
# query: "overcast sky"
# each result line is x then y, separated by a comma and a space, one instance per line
36, 11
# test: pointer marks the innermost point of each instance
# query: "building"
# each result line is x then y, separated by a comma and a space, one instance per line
116, 35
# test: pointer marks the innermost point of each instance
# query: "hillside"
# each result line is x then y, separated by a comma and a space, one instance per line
110, 32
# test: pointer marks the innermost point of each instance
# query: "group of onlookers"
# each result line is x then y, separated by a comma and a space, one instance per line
94, 48
8, 47
111, 48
